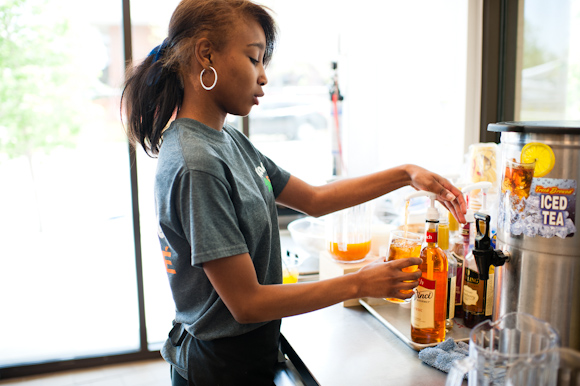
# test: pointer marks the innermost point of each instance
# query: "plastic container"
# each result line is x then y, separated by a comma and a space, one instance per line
348, 233
308, 234
559, 367
495, 347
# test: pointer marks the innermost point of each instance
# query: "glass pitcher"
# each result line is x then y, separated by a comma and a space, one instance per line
496, 346
348, 233
558, 367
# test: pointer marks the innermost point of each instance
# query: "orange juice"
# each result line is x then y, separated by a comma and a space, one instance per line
290, 271
348, 233
352, 252
289, 276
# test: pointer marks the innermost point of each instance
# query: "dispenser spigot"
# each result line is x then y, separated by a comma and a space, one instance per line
485, 256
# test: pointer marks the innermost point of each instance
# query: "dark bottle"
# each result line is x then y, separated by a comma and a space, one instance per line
477, 295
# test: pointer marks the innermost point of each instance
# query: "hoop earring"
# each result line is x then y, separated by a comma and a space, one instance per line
201, 79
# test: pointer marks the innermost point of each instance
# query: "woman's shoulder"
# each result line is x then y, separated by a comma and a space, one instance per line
191, 144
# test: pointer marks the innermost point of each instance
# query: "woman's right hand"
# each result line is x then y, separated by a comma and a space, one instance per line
447, 194
385, 279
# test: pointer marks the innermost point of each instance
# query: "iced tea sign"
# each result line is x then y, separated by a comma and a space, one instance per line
549, 210
555, 204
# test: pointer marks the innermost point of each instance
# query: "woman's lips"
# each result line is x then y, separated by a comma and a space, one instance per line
256, 101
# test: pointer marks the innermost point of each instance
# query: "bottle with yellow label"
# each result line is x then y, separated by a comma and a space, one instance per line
428, 307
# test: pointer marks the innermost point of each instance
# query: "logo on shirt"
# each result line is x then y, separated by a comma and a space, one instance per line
261, 170
166, 255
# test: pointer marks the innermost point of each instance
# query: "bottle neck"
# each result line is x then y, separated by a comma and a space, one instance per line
431, 230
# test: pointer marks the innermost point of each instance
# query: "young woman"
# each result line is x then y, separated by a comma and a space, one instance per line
216, 197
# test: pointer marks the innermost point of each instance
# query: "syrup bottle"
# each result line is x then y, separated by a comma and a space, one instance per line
443, 242
455, 255
428, 307
477, 293
443, 234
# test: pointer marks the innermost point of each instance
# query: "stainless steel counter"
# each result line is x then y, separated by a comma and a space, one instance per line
349, 346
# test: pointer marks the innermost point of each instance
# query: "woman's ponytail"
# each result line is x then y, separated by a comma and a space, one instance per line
153, 93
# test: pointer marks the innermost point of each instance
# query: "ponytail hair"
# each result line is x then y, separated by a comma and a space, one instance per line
153, 91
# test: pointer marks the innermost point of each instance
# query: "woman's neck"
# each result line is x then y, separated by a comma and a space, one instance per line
213, 120
201, 108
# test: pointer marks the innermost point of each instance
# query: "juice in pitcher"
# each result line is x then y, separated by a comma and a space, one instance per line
348, 233
349, 252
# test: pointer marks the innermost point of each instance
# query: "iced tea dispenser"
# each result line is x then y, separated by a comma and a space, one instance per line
538, 222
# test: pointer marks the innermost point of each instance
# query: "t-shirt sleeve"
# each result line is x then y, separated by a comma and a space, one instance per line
278, 176
208, 217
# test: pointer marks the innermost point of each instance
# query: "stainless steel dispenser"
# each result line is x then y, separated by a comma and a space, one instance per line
540, 231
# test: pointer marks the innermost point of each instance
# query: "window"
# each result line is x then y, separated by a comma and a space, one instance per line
292, 123
67, 260
403, 75
549, 63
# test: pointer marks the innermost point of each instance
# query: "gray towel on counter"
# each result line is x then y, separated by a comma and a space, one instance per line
444, 354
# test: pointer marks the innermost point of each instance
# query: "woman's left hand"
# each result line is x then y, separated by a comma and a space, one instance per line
447, 194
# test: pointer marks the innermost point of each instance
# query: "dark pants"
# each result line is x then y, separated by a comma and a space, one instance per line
176, 379
248, 359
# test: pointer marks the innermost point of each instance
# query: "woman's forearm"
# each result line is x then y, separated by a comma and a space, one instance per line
320, 200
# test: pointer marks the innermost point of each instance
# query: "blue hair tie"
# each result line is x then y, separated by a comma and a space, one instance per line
155, 73
158, 51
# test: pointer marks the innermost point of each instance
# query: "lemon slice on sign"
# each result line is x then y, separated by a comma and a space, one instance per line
542, 154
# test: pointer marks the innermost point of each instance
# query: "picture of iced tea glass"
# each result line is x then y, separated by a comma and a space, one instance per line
517, 179
404, 244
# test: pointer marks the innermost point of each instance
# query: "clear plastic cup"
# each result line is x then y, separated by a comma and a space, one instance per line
402, 245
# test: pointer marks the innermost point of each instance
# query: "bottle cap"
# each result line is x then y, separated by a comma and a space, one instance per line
469, 216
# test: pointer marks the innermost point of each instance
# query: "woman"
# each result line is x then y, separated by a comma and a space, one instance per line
216, 197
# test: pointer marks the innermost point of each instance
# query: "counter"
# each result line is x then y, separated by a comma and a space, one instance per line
349, 346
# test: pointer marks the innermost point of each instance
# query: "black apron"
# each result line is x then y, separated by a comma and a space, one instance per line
247, 359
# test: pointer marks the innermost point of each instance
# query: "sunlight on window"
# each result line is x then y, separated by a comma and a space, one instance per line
550, 75
67, 261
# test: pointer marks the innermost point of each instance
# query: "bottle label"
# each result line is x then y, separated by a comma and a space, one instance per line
451, 288
489, 296
459, 280
431, 237
478, 294
423, 309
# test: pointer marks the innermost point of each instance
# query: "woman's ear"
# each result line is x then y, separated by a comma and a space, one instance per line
203, 52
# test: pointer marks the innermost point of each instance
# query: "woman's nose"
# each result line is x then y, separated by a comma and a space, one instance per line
262, 79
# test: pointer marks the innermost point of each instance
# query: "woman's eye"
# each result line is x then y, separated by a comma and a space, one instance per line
254, 61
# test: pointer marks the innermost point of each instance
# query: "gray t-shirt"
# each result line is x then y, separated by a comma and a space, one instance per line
215, 197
